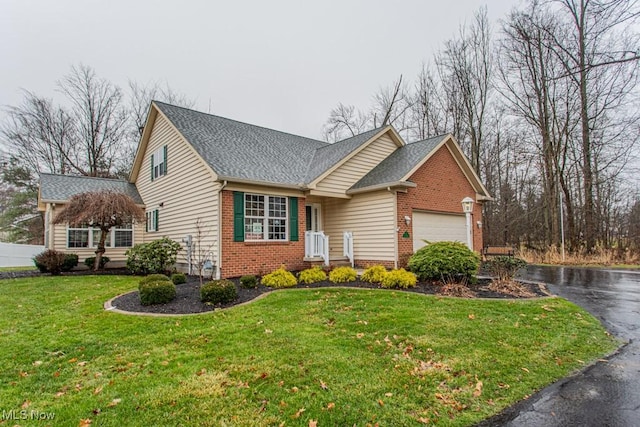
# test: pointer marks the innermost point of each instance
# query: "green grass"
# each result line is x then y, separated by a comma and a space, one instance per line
339, 356
25, 268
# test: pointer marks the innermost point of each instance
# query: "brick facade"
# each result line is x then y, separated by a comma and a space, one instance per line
259, 258
441, 186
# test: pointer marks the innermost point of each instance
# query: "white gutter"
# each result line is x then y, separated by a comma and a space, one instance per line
219, 254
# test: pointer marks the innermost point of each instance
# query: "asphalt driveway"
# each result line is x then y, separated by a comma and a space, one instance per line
607, 393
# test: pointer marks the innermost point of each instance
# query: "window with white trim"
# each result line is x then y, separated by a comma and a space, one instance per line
89, 237
152, 220
159, 162
265, 217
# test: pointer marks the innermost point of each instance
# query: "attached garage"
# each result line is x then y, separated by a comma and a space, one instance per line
436, 227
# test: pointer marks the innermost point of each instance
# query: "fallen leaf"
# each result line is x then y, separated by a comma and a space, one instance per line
294, 389
78, 387
56, 374
97, 390
37, 363
83, 363
547, 308
23, 374
113, 403
201, 372
471, 316
280, 383
297, 414
359, 335
164, 362
85, 422
264, 375
323, 385
26, 404
478, 391
380, 402
96, 411
313, 423
424, 420
59, 394
268, 331
283, 403
74, 360
331, 405
525, 369
503, 385
388, 394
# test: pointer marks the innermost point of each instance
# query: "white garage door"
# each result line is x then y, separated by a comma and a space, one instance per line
435, 227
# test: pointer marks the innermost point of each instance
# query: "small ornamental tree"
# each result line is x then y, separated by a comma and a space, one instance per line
101, 209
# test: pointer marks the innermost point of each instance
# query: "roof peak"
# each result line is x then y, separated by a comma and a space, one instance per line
238, 121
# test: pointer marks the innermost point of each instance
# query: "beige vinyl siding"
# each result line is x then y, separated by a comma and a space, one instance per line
371, 218
358, 166
114, 254
187, 192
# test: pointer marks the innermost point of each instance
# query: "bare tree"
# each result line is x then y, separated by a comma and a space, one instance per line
344, 122
99, 117
200, 250
101, 209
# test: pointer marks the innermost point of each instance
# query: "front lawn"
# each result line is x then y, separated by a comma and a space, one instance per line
338, 356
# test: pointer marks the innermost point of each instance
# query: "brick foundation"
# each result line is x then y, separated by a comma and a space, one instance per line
259, 258
366, 263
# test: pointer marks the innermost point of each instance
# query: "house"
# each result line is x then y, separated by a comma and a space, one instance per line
264, 198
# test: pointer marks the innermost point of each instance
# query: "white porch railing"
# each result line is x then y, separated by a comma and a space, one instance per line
347, 244
316, 244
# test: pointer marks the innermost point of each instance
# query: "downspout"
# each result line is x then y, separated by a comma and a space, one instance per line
219, 251
395, 226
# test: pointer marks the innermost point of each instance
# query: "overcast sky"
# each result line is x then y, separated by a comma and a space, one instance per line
280, 64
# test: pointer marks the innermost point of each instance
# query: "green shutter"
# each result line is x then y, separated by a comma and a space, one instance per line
155, 213
238, 216
152, 167
165, 160
293, 219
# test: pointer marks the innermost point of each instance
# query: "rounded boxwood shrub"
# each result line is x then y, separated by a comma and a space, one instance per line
504, 267
343, 275
312, 275
400, 278
154, 278
50, 261
158, 292
91, 261
70, 262
374, 274
279, 278
445, 261
249, 281
218, 292
178, 278
157, 256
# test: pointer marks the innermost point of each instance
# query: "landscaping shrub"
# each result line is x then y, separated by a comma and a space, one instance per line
343, 275
445, 261
504, 267
178, 278
157, 256
70, 262
399, 279
374, 274
249, 281
50, 261
154, 278
218, 292
91, 261
158, 292
312, 275
280, 278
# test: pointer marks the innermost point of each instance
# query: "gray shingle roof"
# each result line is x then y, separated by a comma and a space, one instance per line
328, 156
239, 150
62, 187
399, 163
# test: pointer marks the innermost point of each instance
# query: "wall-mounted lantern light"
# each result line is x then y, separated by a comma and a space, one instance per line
467, 208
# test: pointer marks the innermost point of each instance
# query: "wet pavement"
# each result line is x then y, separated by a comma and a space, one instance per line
608, 392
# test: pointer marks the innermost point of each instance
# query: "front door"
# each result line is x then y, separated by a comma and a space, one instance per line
313, 217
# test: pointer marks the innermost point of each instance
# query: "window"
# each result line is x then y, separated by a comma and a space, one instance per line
265, 217
152, 220
89, 237
159, 163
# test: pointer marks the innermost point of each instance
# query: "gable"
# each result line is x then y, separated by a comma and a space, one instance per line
358, 165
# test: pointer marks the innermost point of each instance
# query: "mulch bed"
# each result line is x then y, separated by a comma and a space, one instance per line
188, 295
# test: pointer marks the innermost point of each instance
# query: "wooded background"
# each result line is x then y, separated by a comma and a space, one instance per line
545, 105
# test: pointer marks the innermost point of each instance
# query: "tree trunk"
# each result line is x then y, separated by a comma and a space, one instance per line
100, 250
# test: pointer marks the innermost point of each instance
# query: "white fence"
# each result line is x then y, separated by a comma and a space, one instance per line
13, 255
